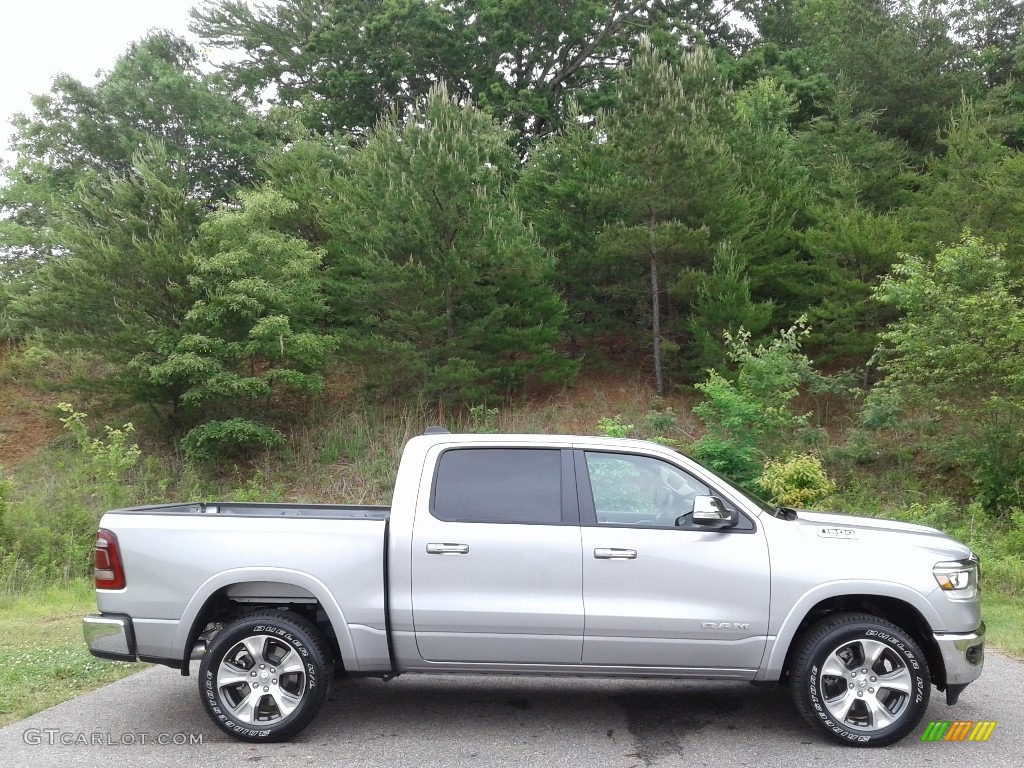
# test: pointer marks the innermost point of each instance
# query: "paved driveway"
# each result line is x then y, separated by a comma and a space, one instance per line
420, 722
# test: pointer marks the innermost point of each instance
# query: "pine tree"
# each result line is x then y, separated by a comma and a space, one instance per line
721, 303
120, 288
975, 185
670, 174
437, 285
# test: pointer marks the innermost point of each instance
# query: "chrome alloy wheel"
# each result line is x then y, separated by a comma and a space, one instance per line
261, 680
865, 684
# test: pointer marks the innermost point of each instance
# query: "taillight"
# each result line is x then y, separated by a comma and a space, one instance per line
109, 573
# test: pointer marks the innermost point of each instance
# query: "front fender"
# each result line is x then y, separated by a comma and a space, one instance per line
778, 646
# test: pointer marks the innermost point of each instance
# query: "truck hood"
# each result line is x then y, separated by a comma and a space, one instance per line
824, 525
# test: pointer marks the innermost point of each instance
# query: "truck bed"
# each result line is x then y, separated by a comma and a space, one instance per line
182, 558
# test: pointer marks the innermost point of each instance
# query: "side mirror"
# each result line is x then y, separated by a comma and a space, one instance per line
710, 512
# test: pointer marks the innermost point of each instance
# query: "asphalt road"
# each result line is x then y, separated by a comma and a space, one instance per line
425, 722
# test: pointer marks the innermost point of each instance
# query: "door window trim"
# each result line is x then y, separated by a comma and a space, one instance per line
570, 508
588, 509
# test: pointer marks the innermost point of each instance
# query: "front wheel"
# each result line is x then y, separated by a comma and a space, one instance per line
265, 676
860, 679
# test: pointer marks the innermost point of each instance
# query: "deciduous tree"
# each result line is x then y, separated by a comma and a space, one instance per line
254, 330
352, 62
82, 135
956, 354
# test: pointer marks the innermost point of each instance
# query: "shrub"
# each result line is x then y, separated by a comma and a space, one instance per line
798, 480
750, 416
483, 420
659, 421
110, 458
236, 435
613, 427
955, 355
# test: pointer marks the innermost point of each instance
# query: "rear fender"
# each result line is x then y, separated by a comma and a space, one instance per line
273, 575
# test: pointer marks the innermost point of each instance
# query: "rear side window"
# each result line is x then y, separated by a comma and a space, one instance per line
499, 485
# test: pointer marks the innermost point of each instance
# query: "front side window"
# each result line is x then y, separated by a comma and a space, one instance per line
640, 490
499, 485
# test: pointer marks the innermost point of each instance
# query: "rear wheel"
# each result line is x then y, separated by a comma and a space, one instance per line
860, 679
265, 676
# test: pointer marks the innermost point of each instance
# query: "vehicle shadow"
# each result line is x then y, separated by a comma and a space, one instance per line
646, 719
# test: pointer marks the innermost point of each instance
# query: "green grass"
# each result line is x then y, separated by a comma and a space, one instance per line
1004, 622
43, 658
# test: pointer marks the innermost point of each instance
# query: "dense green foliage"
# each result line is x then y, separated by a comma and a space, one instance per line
752, 416
253, 330
667, 174
459, 203
437, 284
955, 357
118, 288
79, 136
349, 63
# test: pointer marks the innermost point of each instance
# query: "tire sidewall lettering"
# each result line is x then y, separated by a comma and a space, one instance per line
827, 637
890, 640
311, 697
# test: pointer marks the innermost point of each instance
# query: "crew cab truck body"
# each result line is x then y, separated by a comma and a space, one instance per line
535, 554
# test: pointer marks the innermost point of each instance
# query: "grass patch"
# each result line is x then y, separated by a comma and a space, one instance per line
43, 658
1004, 622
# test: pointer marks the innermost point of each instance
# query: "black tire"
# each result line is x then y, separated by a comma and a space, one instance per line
265, 676
861, 680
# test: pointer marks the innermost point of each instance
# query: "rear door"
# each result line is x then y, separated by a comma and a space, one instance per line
660, 592
496, 558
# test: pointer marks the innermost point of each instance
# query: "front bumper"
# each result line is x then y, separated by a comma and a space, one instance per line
963, 656
109, 636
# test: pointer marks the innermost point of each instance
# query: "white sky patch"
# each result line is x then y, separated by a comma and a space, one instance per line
43, 38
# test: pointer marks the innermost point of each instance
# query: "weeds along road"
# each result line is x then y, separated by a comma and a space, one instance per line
419, 722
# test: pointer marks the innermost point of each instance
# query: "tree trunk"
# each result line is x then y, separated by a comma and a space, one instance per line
659, 378
449, 311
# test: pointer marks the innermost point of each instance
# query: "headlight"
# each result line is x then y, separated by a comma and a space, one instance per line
958, 578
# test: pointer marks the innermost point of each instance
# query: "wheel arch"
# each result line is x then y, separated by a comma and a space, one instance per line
262, 588
903, 611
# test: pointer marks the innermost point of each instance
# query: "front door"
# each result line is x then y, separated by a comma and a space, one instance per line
658, 591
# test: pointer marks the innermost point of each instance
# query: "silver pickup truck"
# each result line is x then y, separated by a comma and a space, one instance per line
536, 554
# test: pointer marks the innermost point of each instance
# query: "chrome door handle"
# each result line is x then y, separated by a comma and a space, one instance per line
447, 549
614, 554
